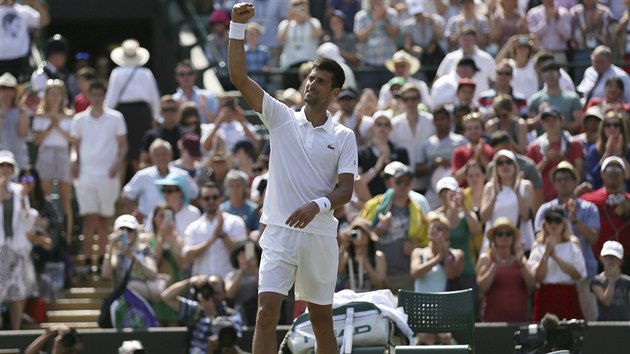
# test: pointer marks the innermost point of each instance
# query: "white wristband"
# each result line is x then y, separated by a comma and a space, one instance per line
323, 203
237, 30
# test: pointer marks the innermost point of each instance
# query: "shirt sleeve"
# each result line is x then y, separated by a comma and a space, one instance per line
591, 216
75, 128
40, 123
275, 113
113, 89
348, 157
187, 308
539, 218
30, 16
121, 127
535, 256
577, 259
132, 189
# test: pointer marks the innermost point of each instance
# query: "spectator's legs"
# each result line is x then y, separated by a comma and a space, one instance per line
65, 191
16, 310
90, 227
102, 232
269, 305
321, 319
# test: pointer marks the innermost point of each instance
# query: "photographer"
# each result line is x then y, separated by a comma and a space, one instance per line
213, 328
66, 341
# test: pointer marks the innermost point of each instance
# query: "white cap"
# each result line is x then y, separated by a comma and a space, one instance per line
126, 220
612, 248
7, 156
415, 7
393, 167
507, 153
613, 159
330, 51
449, 183
130, 346
378, 114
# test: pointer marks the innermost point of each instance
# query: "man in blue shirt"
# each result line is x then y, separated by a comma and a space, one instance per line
585, 225
186, 77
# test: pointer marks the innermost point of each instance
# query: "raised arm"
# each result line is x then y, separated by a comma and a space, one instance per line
253, 94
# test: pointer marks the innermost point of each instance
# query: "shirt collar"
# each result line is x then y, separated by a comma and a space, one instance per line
328, 126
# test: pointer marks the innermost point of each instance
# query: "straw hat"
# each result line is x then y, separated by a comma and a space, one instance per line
502, 223
130, 53
364, 224
400, 56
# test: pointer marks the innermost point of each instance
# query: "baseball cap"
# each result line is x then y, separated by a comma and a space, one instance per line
506, 153
550, 111
190, 143
347, 93
447, 183
468, 62
126, 220
594, 112
396, 169
556, 211
612, 248
565, 166
613, 159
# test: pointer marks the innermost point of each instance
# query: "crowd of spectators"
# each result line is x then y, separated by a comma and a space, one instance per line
500, 167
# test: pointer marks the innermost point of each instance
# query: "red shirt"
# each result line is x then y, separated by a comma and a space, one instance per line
574, 152
612, 226
81, 103
461, 156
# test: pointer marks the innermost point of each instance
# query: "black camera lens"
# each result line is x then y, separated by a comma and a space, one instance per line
356, 234
70, 339
206, 291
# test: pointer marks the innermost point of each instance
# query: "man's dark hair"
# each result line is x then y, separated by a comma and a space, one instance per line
542, 56
97, 85
210, 185
499, 138
325, 64
87, 73
441, 110
616, 80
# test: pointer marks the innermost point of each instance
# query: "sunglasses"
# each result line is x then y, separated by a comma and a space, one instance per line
381, 124
403, 182
612, 125
214, 197
503, 234
27, 179
504, 162
170, 190
186, 73
169, 109
614, 169
504, 73
553, 219
409, 98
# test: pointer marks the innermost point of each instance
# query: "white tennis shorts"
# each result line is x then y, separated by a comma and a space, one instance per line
308, 260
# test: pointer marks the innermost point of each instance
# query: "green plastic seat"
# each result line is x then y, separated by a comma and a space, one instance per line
438, 313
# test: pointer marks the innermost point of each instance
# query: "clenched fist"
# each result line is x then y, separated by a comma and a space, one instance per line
242, 12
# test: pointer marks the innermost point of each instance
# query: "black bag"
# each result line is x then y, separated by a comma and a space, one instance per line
105, 317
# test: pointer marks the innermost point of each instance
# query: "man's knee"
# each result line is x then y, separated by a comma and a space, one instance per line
320, 315
269, 306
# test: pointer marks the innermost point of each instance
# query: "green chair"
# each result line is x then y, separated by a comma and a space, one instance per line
438, 313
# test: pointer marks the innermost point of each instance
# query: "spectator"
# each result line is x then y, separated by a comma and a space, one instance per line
376, 30
508, 195
169, 130
17, 19
178, 191
214, 169
14, 121
506, 22
16, 240
557, 263
520, 50
566, 102
361, 125
51, 131
400, 223
464, 224
611, 287
362, 267
230, 125
374, 156
614, 93
613, 205
552, 25
218, 26
62, 335
241, 285
476, 150
53, 68
584, 225
503, 277
99, 147
257, 55
244, 155
476, 178
342, 36
188, 117
187, 91
543, 57
590, 122
423, 33
591, 28
612, 141
133, 92
126, 253
269, 14
84, 77
444, 89
299, 34
506, 121
261, 173
191, 154
467, 18
412, 128
465, 93
331, 51
433, 159
209, 240
553, 146
503, 87
142, 186
595, 76
236, 183
468, 49
394, 104
403, 65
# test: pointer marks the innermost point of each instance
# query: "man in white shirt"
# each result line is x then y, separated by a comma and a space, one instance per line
312, 171
230, 126
99, 149
346, 115
209, 240
444, 89
142, 187
403, 65
468, 49
595, 76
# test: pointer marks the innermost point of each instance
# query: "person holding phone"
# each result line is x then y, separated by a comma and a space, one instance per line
241, 285
229, 127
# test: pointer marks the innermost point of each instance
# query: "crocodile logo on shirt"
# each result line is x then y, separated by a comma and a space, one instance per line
331, 146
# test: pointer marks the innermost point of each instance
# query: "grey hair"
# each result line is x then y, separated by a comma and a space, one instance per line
236, 175
158, 143
602, 50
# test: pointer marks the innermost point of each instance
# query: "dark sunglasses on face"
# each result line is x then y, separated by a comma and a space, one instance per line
553, 219
504, 162
504, 73
612, 125
503, 234
5, 164
170, 190
186, 73
169, 109
214, 197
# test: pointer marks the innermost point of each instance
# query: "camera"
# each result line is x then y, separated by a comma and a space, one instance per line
206, 291
227, 335
550, 335
70, 339
355, 234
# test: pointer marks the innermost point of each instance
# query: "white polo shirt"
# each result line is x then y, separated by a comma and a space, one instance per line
485, 62
304, 164
216, 259
142, 187
99, 147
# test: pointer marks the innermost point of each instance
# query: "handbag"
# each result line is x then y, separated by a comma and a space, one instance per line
105, 318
